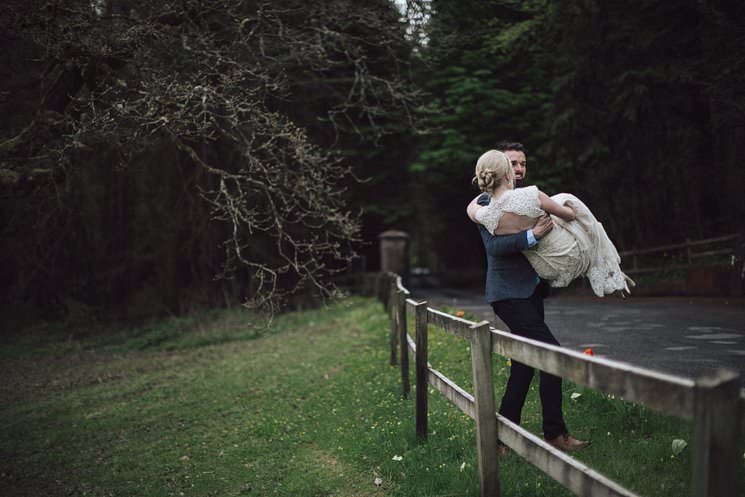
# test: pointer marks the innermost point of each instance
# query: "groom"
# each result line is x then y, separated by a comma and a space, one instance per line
516, 153
516, 294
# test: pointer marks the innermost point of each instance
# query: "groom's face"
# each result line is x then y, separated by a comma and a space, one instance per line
519, 165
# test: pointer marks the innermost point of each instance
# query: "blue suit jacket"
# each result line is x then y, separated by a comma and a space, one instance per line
509, 275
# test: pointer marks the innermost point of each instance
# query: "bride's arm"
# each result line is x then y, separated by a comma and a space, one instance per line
473, 207
552, 207
494, 244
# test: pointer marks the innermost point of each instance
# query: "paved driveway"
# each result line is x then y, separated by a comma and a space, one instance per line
686, 337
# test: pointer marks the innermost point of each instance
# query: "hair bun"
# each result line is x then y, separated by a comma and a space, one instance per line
491, 169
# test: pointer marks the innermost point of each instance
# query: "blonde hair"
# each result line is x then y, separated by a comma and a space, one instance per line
491, 168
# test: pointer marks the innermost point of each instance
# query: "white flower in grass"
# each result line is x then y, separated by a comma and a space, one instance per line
463, 466
576, 396
398, 458
378, 481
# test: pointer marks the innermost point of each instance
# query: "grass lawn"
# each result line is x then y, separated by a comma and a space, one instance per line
217, 404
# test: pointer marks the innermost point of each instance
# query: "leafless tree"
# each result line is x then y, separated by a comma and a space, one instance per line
232, 87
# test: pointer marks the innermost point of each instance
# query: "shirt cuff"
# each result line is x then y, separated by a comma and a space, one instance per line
531, 239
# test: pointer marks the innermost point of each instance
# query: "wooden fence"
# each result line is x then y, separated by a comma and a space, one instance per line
713, 266
724, 250
713, 402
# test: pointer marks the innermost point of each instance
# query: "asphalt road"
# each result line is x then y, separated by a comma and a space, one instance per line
683, 336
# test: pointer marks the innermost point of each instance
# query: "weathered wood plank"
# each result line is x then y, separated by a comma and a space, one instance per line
659, 268
411, 304
421, 368
695, 243
577, 477
709, 253
403, 339
484, 409
661, 392
400, 286
451, 324
393, 318
412, 344
385, 289
716, 438
462, 399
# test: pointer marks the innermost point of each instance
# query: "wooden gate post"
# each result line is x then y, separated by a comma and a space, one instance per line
716, 427
485, 409
394, 253
403, 341
422, 372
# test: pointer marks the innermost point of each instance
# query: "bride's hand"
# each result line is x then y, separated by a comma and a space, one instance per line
543, 226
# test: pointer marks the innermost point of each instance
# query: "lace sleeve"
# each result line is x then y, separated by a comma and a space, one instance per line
489, 216
523, 202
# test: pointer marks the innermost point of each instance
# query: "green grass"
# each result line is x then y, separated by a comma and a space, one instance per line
219, 404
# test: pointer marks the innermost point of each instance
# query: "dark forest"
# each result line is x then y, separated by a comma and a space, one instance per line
162, 158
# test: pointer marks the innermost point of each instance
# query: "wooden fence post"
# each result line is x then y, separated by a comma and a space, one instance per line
376, 285
737, 263
421, 369
402, 330
393, 317
383, 288
716, 426
485, 410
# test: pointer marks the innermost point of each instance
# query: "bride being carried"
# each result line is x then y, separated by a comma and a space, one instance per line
576, 246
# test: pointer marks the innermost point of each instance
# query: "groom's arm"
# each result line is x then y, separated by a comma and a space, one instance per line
504, 244
508, 244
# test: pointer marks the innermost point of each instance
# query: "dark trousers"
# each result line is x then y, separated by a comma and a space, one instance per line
525, 317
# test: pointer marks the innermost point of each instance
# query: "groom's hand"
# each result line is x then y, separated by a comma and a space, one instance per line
543, 226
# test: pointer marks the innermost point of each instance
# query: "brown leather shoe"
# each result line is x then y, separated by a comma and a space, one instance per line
567, 443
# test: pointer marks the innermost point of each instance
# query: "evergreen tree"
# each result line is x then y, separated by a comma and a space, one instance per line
484, 87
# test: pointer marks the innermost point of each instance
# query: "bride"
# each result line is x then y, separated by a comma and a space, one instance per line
576, 246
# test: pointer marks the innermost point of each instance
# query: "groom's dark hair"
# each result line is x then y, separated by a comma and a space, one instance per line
516, 146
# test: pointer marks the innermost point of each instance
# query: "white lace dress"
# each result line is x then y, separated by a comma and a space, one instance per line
571, 249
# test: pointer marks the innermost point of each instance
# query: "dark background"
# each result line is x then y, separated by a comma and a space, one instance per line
142, 147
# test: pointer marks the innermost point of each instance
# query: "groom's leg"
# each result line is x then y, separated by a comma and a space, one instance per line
515, 392
552, 406
524, 317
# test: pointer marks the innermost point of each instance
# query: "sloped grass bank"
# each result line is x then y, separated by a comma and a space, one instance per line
215, 405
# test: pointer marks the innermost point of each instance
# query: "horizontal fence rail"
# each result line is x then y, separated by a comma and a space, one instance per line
714, 403
574, 475
631, 383
687, 245
727, 250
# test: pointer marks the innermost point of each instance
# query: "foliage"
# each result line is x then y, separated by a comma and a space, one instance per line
633, 121
156, 158
177, 142
636, 107
482, 90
